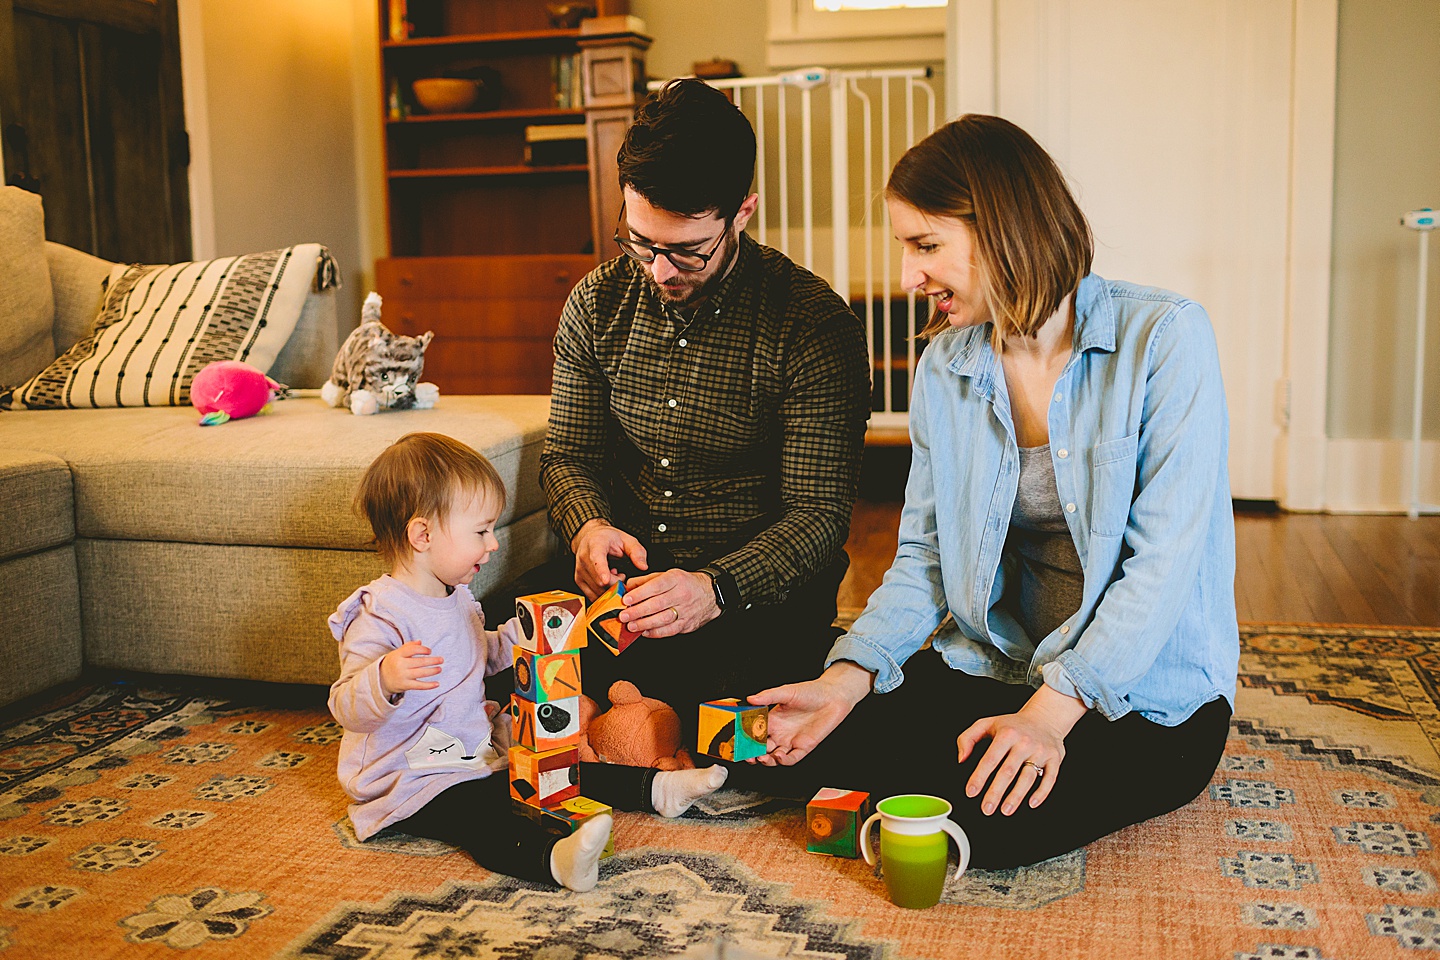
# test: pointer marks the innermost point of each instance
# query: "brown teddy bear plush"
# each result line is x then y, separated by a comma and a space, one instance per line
637, 731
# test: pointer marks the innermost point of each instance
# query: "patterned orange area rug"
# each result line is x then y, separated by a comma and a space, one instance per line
157, 820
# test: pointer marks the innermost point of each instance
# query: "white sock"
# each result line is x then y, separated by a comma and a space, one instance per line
674, 791
575, 860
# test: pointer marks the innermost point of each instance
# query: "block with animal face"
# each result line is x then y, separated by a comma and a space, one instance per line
550, 622
732, 730
544, 726
544, 779
566, 818
833, 818
543, 678
603, 619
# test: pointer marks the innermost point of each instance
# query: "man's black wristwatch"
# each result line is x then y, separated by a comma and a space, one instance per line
727, 594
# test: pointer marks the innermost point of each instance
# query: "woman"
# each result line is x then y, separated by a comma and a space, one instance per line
1068, 507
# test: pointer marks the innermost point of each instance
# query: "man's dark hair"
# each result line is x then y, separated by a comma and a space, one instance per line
689, 151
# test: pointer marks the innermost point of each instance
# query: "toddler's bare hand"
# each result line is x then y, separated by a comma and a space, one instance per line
405, 668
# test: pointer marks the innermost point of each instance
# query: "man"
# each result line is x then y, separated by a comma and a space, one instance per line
707, 423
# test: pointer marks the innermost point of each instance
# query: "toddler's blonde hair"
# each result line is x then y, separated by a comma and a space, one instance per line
421, 475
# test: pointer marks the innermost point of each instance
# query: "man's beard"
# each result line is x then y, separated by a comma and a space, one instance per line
690, 295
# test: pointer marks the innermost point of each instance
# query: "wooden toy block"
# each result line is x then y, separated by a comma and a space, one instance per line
543, 678
544, 779
550, 622
544, 726
732, 730
603, 619
567, 817
833, 818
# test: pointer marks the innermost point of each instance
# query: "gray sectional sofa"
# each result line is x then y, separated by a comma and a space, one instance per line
136, 539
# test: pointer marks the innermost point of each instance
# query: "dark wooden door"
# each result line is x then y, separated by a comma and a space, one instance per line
93, 119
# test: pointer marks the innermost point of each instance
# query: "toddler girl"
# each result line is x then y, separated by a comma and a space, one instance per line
423, 750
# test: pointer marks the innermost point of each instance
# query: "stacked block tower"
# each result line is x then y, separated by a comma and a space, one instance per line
545, 712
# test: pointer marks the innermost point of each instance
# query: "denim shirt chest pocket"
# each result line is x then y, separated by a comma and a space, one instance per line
1113, 472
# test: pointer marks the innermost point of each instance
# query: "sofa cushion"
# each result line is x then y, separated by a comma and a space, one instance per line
285, 478
252, 612
27, 307
159, 326
41, 644
78, 282
39, 508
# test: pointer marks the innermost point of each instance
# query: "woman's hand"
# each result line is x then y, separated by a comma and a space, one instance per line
1026, 748
804, 714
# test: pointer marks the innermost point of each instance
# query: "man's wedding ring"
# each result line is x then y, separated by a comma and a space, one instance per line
677, 617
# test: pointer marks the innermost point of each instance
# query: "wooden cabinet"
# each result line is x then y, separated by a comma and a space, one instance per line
486, 239
493, 317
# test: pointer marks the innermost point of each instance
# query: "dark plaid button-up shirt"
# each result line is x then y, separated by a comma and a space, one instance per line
732, 438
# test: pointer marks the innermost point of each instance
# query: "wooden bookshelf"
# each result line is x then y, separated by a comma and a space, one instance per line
561, 38
549, 113
483, 246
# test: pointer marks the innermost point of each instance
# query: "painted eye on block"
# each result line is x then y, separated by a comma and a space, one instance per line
557, 622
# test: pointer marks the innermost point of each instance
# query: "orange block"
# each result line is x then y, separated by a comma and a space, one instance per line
544, 726
550, 622
544, 779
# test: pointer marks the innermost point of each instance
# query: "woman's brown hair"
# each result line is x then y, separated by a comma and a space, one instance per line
1032, 244
420, 475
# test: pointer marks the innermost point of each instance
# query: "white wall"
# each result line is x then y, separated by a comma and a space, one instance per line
693, 30
1387, 161
271, 108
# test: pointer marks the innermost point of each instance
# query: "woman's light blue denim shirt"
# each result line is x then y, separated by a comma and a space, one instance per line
1138, 437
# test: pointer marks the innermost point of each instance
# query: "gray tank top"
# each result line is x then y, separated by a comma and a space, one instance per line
1048, 580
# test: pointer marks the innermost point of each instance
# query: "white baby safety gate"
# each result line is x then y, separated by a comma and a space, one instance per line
866, 119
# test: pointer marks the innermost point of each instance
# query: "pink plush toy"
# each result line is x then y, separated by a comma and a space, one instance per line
230, 390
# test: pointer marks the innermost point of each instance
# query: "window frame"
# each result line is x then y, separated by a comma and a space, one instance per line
799, 35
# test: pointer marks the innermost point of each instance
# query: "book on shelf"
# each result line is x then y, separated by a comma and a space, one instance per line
555, 144
565, 81
399, 25
613, 25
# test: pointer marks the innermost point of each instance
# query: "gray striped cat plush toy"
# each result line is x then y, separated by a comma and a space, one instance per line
376, 370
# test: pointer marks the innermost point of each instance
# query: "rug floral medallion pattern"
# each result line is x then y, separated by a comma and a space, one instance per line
168, 820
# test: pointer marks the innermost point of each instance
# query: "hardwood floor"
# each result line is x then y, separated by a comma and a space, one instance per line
1290, 567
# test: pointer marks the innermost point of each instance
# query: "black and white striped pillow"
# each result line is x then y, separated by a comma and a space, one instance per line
160, 325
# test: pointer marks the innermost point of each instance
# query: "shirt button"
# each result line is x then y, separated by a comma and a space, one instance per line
660, 527
1069, 508
670, 402
664, 461
1064, 454
669, 493
1064, 630
1057, 398
684, 342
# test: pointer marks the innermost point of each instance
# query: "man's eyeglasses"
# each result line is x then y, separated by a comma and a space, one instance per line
688, 261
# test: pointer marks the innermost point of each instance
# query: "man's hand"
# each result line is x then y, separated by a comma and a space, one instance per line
669, 603
405, 667
803, 714
593, 547
1026, 749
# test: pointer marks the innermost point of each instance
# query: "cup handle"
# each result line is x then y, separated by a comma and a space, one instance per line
865, 841
961, 841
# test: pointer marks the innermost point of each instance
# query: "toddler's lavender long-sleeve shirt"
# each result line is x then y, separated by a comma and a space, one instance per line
397, 755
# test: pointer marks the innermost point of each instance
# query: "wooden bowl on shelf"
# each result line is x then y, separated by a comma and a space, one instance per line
445, 94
